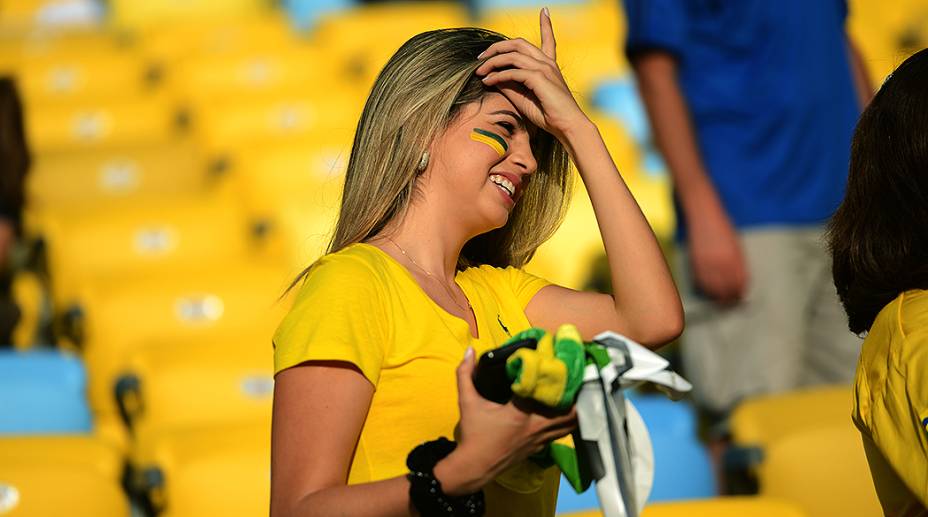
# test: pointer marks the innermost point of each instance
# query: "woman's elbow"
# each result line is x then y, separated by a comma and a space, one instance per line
661, 330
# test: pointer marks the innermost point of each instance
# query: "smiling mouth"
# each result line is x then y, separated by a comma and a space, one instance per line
504, 185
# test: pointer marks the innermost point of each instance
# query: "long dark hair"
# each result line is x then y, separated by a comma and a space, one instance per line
879, 235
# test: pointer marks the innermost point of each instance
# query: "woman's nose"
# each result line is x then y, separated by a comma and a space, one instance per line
523, 157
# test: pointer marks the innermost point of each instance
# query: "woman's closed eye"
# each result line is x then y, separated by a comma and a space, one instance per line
508, 126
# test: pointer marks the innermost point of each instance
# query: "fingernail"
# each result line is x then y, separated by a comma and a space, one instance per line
469, 353
545, 10
480, 55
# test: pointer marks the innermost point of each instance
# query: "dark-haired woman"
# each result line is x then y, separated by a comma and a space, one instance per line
879, 244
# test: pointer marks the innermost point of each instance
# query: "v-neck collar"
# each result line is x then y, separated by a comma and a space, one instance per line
442, 313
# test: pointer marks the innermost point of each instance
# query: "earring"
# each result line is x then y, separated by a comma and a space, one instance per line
423, 162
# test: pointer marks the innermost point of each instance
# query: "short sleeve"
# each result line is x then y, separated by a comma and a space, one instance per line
524, 285
339, 314
656, 25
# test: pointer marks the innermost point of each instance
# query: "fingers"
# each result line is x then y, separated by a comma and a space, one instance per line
530, 78
465, 373
518, 60
515, 45
548, 45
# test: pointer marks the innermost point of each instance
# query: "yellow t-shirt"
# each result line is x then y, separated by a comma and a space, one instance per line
361, 306
891, 407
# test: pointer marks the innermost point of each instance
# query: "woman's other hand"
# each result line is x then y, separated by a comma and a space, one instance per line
531, 79
493, 436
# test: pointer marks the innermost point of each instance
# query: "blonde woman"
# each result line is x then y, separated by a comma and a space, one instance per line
459, 170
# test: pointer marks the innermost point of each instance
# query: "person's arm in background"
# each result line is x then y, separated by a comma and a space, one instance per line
719, 267
860, 74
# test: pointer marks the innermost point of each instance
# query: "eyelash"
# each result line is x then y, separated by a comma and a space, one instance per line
507, 126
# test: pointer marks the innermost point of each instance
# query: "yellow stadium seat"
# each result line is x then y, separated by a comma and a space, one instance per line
76, 475
761, 421
221, 470
87, 453
295, 191
238, 76
385, 26
215, 303
224, 127
37, 490
823, 470
574, 23
567, 257
178, 385
80, 181
61, 127
92, 77
145, 239
716, 507
170, 44
134, 14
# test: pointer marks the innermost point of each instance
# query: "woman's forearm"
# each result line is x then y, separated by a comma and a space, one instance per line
386, 498
457, 474
646, 299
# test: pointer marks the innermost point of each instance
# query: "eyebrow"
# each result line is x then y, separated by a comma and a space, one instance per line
512, 114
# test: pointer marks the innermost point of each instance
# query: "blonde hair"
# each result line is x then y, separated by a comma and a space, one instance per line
417, 95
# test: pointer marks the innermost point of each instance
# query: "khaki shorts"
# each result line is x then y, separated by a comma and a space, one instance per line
789, 332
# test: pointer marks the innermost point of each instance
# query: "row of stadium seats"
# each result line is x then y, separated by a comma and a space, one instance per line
188, 163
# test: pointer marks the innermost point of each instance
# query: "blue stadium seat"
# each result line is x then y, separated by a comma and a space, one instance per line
682, 469
304, 13
43, 391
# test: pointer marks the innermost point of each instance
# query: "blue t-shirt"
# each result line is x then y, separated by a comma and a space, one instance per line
771, 95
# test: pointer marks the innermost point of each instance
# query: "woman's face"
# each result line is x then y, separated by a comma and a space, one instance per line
481, 164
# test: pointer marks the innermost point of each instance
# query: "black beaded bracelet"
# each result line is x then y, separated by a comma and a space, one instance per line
425, 491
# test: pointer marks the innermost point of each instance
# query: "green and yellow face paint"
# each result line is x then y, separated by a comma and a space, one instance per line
490, 138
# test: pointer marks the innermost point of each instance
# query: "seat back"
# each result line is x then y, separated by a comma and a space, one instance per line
43, 391
823, 470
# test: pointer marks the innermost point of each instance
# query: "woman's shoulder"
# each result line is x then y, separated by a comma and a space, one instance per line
357, 266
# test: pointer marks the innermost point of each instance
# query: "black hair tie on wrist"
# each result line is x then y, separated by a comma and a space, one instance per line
425, 491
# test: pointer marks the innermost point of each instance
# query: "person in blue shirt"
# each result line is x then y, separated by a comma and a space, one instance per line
753, 104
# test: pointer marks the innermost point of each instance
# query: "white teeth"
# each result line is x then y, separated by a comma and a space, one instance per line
504, 183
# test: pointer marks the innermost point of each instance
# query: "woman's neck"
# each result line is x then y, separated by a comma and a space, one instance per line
428, 239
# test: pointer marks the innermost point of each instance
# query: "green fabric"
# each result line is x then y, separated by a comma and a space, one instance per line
569, 349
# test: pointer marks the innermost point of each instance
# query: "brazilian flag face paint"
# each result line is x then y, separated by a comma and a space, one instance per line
493, 140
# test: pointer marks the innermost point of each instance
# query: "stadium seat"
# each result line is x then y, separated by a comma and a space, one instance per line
717, 507
823, 470
764, 420
221, 470
76, 182
66, 126
304, 14
225, 127
43, 392
181, 385
217, 302
36, 490
145, 239
239, 76
137, 15
567, 257
170, 44
682, 469
294, 191
74, 77
386, 27
85, 452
